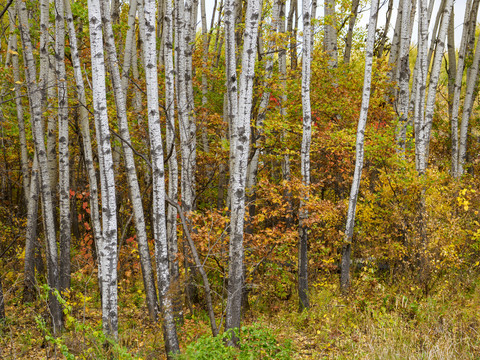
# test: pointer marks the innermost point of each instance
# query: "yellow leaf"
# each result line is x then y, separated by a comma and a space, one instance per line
13, 52
18, 82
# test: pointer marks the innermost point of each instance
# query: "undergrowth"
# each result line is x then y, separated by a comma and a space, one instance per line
380, 319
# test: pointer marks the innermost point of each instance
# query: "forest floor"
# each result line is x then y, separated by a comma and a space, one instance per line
377, 320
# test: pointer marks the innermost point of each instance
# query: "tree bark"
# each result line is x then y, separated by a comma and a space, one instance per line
351, 25
132, 179
34, 93
85, 132
172, 213
63, 151
359, 151
158, 173
240, 120
403, 79
330, 44
305, 160
108, 247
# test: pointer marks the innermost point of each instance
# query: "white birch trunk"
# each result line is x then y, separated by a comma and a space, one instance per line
403, 79
108, 247
305, 159
85, 132
132, 179
359, 148
470, 7
158, 172
63, 142
351, 24
424, 129
241, 128
472, 82
34, 94
331, 46
172, 237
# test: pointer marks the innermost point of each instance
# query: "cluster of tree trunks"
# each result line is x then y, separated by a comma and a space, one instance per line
174, 26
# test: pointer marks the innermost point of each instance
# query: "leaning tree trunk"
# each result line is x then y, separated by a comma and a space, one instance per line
158, 173
132, 179
34, 93
472, 82
30, 183
108, 247
239, 113
362, 122
471, 6
305, 160
351, 24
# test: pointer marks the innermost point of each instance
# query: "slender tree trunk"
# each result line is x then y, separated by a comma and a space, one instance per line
305, 160
403, 79
472, 83
108, 247
31, 234
384, 36
351, 25
86, 138
452, 63
172, 213
19, 106
253, 165
34, 93
63, 151
158, 172
129, 46
359, 151
132, 179
239, 113
395, 47
471, 6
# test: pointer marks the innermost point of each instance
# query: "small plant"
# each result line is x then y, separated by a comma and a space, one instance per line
255, 343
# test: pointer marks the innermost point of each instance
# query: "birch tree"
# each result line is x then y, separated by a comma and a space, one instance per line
359, 148
63, 143
472, 83
403, 78
330, 40
158, 181
85, 132
132, 179
468, 31
239, 111
108, 247
305, 159
34, 94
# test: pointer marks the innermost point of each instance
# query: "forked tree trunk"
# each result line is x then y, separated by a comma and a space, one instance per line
359, 148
